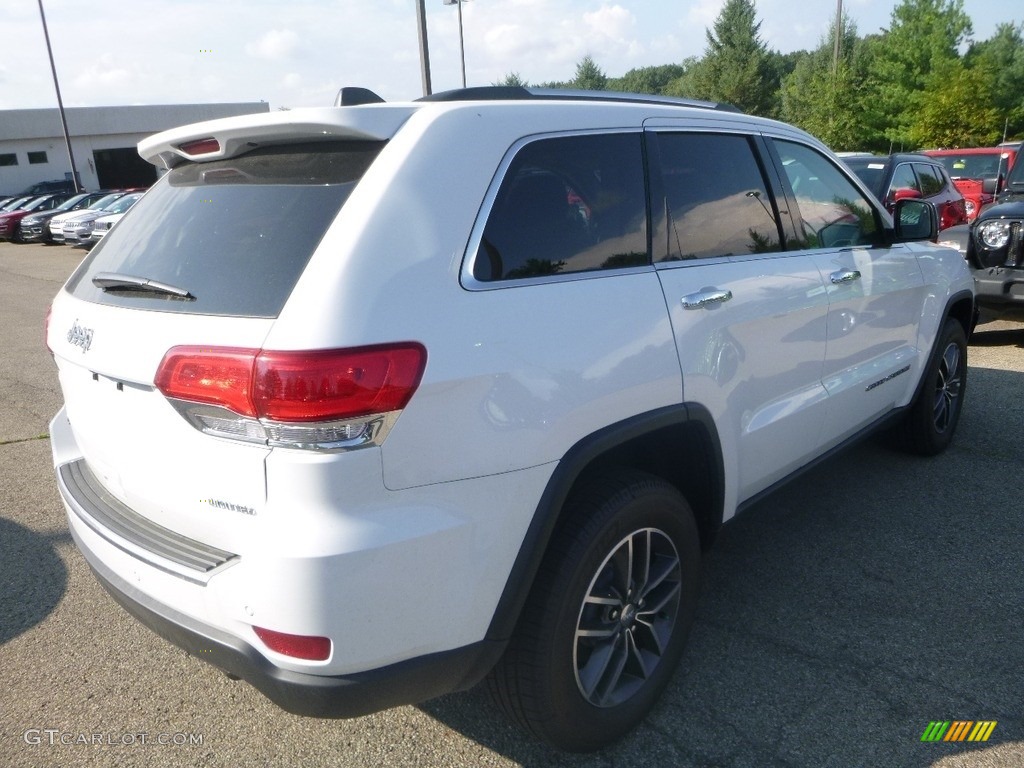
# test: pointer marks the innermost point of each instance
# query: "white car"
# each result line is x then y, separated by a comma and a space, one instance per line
57, 223
365, 404
116, 211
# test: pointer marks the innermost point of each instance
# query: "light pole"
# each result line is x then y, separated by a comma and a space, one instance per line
60, 103
462, 46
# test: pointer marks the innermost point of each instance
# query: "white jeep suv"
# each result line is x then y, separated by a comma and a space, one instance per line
366, 404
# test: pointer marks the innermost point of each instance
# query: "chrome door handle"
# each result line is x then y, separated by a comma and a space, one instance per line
844, 276
706, 298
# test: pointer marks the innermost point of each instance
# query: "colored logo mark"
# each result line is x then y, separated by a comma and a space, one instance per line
958, 730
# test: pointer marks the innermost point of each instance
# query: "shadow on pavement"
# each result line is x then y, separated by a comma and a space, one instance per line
1000, 336
33, 577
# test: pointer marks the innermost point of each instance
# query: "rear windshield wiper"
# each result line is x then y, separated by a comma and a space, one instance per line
113, 281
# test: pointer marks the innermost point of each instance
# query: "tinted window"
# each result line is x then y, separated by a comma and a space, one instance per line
904, 180
567, 204
872, 173
831, 211
234, 233
713, 200
931, 179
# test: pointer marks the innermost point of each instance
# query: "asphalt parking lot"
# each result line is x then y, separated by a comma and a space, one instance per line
839, 617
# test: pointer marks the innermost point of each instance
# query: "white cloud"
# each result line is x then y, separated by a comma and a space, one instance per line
274, 45
102, 73
613, 22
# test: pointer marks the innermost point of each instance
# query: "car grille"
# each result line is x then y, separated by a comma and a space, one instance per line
1014, 255
98, 509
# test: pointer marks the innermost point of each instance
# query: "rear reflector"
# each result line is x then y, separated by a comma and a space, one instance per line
295, 387
306, 647
200, 146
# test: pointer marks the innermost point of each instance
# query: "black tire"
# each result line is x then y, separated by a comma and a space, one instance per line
929, 426
587, 663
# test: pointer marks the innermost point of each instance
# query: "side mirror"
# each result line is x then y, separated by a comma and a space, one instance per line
915, 220
991, 185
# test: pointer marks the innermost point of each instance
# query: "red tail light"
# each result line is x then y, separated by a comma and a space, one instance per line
312, 386
297, 646
46, 328
951, 213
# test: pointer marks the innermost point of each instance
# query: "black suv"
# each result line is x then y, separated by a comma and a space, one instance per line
50, 187
995, 249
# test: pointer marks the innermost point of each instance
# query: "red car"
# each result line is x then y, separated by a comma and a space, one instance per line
979, 173
899, 176
10, 221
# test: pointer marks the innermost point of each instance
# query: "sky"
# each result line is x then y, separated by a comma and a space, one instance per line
298, 54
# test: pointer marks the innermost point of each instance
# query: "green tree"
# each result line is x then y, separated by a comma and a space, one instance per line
736, 67
513, 79
924, 35
822, 96
1003, 55
589, 76
654, 80
959, 110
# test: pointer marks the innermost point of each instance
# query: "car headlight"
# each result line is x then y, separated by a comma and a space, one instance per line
994, 234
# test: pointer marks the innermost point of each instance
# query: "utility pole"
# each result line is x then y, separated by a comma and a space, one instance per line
837, 47
60, 103
421, 24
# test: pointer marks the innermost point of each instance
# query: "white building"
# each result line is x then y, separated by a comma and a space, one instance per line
103, 140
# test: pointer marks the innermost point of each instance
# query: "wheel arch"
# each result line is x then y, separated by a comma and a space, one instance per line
960, 307
679, 444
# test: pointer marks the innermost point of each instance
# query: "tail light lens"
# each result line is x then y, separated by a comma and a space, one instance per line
325, 399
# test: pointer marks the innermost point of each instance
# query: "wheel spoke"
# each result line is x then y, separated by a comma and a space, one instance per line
603, 600
593, 671
660, 599
637, 654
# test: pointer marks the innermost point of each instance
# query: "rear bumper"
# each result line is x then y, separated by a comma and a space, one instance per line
189, 592
343, 696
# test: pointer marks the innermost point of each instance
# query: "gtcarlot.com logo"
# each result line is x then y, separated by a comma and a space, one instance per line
958, 730
54, 736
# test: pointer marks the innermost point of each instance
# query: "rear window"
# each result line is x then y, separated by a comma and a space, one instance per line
872, 173
235, 234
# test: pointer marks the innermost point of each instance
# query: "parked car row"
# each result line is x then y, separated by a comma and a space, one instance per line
79, 219
960, 182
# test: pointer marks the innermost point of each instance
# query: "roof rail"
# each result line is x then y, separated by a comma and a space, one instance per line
515, 92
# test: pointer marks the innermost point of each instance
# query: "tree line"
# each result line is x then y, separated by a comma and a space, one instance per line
923, 82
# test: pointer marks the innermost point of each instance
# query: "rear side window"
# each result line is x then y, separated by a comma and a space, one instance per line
832, 213
931, 179
903, 178
713, 200
235, 234
567, 204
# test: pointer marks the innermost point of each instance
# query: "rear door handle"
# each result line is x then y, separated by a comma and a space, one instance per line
844, 276
706, 298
